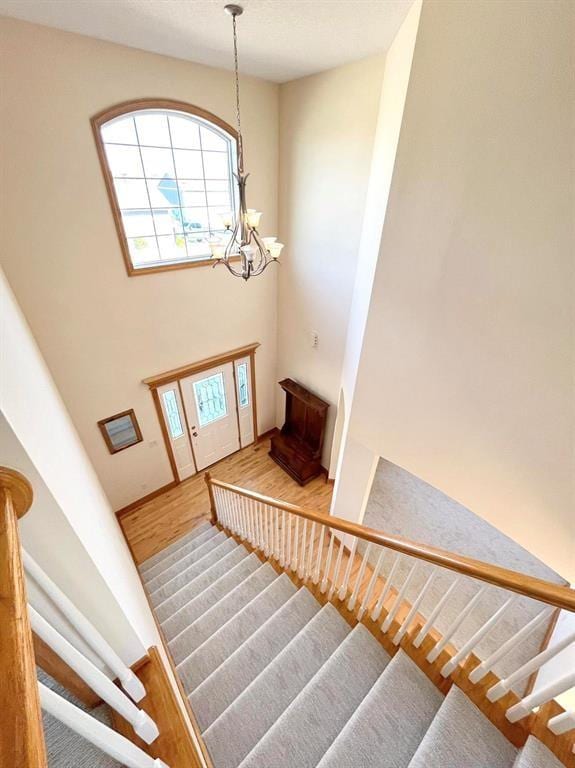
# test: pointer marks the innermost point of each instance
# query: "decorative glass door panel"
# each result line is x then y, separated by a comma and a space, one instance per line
210, 397
244, 399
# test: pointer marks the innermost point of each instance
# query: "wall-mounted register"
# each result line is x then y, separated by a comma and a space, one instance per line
297, 448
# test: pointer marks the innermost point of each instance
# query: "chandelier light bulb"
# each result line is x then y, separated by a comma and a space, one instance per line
253, 218
275, 249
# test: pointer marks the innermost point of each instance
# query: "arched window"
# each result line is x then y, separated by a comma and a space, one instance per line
168, 168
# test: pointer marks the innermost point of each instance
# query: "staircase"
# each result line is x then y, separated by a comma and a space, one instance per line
277, 676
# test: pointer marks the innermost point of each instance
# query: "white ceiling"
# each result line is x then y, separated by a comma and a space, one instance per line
278, 40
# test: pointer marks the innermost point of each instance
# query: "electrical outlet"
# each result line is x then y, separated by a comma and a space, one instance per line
314, 339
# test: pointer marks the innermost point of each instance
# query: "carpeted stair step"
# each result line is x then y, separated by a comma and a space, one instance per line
155, 564
205, 626
190, 556
313, 720
182, 619
64, 747
390, 722
217, 549
193, 588
241, 726
227, 682
460, 735
536, 755
223, 643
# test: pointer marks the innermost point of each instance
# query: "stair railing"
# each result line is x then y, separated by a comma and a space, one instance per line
323, 551
22, 698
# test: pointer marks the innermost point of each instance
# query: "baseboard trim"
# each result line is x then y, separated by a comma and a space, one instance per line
267, 435
138, 503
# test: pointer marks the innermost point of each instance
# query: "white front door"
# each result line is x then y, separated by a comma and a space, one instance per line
174, 418
210, 403
244, 395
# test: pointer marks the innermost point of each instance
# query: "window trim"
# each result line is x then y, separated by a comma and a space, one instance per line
127, 107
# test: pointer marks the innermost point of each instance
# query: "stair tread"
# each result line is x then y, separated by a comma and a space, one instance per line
201, 582
461, 735
151, 563
231, 737
205, 626
226, 683
191, 611
390, 722
313, 720
216, 550
190, 555
536, 755
222, 644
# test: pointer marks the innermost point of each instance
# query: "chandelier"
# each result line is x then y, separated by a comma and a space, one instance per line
243, 238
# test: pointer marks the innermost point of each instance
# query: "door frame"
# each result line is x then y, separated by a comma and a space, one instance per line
175, 375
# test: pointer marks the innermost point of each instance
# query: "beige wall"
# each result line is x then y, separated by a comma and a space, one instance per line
327, 126
466, 376
99, 331
71, 530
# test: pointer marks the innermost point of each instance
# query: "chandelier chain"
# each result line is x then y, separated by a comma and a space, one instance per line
238, 117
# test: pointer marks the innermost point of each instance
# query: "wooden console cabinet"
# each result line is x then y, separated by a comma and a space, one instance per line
297, 447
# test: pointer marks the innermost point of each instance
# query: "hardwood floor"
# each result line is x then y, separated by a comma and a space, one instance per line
156, 523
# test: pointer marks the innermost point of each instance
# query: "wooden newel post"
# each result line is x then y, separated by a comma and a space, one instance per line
214, 514
21, 734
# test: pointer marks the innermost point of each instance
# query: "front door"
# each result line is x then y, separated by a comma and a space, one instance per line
210, 403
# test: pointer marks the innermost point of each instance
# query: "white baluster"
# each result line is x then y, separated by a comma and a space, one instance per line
399, 599
254, 519
295, 545
343, 589
435, 613
360, 575
454, 626
337, 569
319, 555
503, 686
416, 603
101, 736
541, 696
244, 502
243, 518
370, 587
486, 666
327, 564
287, 563
283, 544
310, 552
141, 722
218, 502
301, 564
259, 527
237, 516
128, 680
277, 549
562, 723
474, 639
385, 589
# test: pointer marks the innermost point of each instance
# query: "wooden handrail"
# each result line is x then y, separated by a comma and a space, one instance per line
21, 735
522, 584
